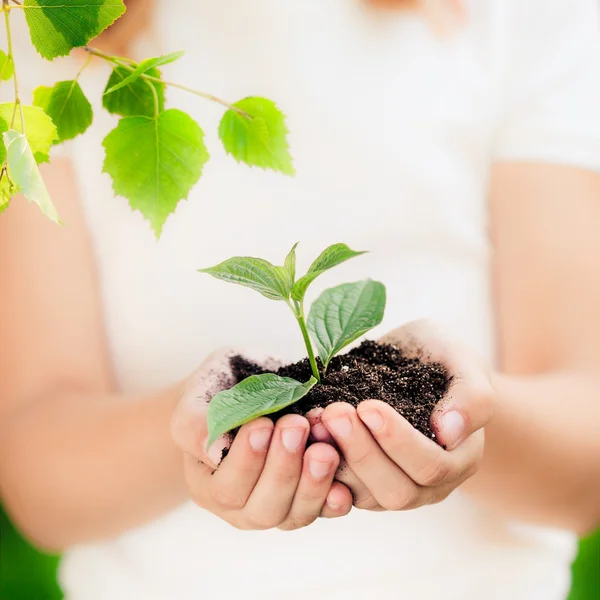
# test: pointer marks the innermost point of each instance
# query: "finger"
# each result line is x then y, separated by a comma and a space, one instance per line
468, 404
197, 477
361, 495
424, 461
318, 431
388, 484
233, 482
320, 464
338, 502
273, 494
467, 407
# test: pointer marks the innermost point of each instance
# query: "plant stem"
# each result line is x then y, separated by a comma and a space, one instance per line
204, 95
154, 95
83, 67
131, 67
15, 80
299, 314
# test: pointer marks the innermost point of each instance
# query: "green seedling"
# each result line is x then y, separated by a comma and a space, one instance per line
338, 317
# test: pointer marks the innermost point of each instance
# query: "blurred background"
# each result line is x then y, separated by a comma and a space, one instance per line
26, 574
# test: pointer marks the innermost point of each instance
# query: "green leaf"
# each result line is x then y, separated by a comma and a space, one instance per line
154, 162
66, 104
41, 131
330, 257
7, 191
259, 139
25, 173
6, 66
58, 26
136, 98
290, 262
258, 274
3, 127
342, 314
254, 397
144, 67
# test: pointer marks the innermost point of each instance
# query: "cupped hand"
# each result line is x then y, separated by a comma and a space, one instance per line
268, 478
387, 463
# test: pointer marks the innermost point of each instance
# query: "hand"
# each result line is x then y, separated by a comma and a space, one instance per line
389, 465
267, 479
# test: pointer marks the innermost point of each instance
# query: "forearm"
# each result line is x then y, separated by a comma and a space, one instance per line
542, 457
76, 468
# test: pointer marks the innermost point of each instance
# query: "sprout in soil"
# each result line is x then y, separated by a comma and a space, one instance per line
338, 317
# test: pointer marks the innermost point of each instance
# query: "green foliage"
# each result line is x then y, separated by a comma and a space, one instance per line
329, 258
342, 314
338, 317
58, 26
586, 570
156, 156
66, 104
41, 131
257, 137
25, 174
7, 190
256, 396
136, 98
154, 162
25, 573
143, 68
258, 274
3, 127
6, 67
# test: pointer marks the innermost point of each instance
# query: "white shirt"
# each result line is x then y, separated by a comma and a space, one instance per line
392, 131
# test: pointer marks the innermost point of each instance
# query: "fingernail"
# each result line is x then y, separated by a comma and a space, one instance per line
259, 439
319, 432
319, 469
453, 427
341, 427
333, 505
292, 439
372, 419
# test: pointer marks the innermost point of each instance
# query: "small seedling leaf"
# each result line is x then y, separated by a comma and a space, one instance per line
330, 257
271, 281
290, 262
254, 397
342, 314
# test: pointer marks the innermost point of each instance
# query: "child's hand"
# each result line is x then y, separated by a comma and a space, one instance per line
267, 479
389, 464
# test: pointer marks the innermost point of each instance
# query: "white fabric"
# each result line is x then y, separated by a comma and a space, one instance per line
392, 131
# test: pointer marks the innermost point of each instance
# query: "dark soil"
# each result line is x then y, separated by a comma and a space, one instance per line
369, 372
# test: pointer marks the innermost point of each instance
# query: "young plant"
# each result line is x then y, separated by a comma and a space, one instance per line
338, 317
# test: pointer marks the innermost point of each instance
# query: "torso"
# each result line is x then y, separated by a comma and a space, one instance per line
391, 131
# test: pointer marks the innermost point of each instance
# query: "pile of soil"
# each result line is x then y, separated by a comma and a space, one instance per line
371, 371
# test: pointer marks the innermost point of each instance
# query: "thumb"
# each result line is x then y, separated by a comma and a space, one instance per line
189, 428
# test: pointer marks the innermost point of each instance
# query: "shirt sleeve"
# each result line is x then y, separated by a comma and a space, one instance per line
550, 105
